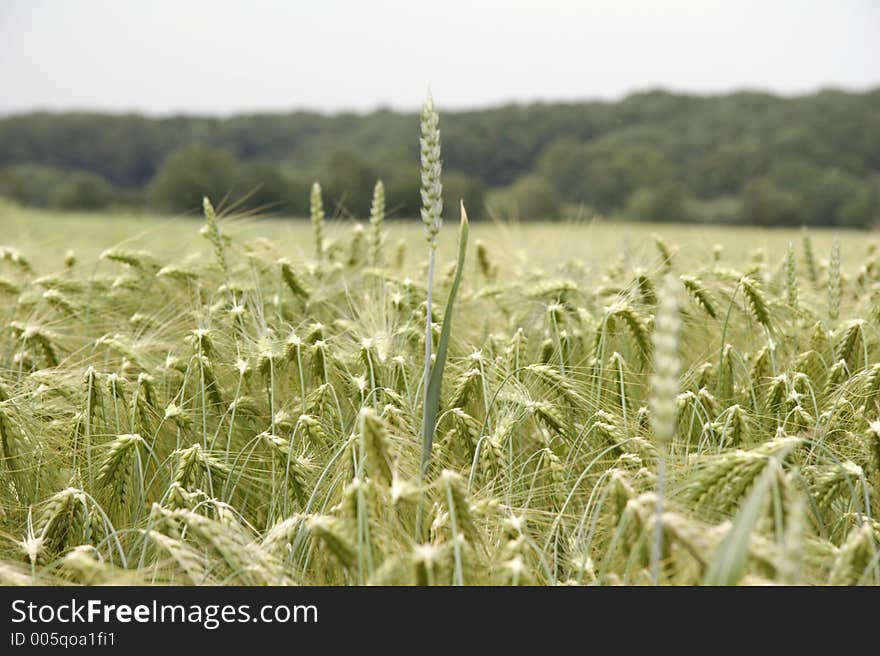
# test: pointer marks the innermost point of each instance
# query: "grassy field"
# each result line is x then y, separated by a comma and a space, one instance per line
695, 406
47, 236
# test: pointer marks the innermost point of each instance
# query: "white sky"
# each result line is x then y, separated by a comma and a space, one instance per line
222, 56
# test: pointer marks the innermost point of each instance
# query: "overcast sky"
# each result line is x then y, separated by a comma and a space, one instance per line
222, 56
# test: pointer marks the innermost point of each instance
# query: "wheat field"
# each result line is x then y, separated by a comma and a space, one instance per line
263, 402
168, 419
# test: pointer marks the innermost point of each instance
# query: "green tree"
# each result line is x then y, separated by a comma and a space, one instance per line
605, 172
43, 186
765, 203
863, 209
612, 175
262, 187
297, 191
30, 184
668, 201
191, 173
529, 198
818, 151
347, 181
82, 191
562, 164
400, 175
827, 200
458, 186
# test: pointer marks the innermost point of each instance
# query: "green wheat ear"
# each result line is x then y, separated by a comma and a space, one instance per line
316, 211
664, 390
834, 281
791, 288
212, 232
729, 563
432, 206
432, 397
809, 258
377, 217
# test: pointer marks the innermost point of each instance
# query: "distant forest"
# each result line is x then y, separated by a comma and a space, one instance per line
747, 157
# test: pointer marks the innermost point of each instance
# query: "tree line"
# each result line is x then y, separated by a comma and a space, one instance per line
745, 157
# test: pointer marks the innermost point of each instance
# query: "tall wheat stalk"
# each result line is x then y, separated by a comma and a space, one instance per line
377, 218
664, 391
435, 373
432, 209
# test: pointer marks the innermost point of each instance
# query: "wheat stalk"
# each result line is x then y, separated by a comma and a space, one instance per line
377, 218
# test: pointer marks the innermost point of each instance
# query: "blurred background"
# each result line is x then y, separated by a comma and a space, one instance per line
630, 110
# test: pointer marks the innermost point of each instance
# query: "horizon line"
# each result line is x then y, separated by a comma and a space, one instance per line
866, 89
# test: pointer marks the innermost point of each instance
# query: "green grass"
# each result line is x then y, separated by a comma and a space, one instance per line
49, 234
164, 419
